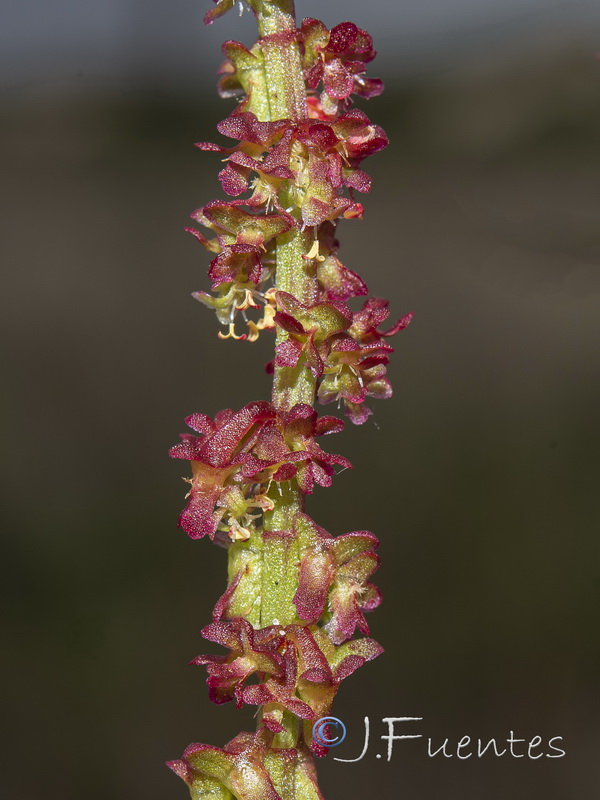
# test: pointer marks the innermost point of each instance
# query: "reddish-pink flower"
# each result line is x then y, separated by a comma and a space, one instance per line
309, 329
337, 58
216, 455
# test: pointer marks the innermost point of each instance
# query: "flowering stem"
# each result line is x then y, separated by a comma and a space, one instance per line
296, 595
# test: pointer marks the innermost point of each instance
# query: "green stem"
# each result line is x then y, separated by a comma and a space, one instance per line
295, 275
285, 83
280, 93
285, 99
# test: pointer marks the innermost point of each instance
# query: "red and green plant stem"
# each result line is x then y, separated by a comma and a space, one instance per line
295, 594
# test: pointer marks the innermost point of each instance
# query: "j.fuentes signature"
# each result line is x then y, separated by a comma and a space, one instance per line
331, 732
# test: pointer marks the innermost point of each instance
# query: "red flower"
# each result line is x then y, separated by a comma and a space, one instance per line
314, 669
244, 261
353, 373
312, 160
250, 651
237, 770
233, 225
325, 156
298, 667
241, 769
309, 330
337, 58
240, 72
256, 139
366, 321
216, 456
279, 690
286, 449
355, 367
333, 579
234, 456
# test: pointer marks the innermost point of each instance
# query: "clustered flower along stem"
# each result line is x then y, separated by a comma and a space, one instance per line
296, 595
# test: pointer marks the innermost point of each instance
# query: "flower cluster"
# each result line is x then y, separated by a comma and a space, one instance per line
297, 668
300, 175
337, 59
237, 457
300, 670
292, 618
247, 767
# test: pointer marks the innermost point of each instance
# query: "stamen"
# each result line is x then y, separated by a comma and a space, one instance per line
231, 334
266, 323
314, 250
253, 331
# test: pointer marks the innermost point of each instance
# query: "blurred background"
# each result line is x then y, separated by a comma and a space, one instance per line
480, 476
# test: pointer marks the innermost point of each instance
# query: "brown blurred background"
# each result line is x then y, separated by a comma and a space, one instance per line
480, 476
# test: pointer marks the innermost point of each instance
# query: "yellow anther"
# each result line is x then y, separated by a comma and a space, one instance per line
266, 323
253, 331
231, 334
248, 301
314, 252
